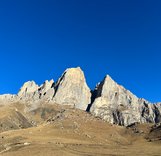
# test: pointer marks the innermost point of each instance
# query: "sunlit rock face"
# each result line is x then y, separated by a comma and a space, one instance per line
46, 91
8, 98
109, 101
28, 90
115, 104
71, 89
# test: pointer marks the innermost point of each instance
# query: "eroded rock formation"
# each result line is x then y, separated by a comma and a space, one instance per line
71, 89
109, 101
115, 104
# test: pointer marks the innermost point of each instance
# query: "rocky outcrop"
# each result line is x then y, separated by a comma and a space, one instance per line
71, 89
28, 90
109, 101
115, 104
46, 91
8, 98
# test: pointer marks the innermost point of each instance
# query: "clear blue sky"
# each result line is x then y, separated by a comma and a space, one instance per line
39, 39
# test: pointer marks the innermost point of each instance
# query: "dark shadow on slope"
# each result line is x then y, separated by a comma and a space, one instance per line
56, 85
93, 97
96, 93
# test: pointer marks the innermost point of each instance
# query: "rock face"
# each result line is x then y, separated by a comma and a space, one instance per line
46, 91
27, 90
115, 104
30, 91
8, 98
109, 101
71, 89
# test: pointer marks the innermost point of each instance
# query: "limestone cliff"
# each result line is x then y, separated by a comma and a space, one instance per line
109, 101
115, 104
71, 89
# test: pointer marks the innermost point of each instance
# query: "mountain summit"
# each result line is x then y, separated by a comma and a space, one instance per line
109, 101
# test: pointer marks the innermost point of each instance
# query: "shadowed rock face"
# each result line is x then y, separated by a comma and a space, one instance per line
115, 104
71, 89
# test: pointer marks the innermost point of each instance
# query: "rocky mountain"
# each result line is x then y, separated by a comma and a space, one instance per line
109, 101
30, 91
115, 104
71, 89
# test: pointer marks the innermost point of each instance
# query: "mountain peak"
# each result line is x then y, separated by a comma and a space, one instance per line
75, 74
71, 89
109, 101
27, 88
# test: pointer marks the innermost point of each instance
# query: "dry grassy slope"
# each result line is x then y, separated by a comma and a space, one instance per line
11, 118
66, 131
155, 133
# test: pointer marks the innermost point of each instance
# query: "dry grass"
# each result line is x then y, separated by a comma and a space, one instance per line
74, 132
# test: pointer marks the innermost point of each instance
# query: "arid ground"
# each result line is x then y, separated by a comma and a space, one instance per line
54, 130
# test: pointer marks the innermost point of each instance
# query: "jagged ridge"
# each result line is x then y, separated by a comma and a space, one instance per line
109, 101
